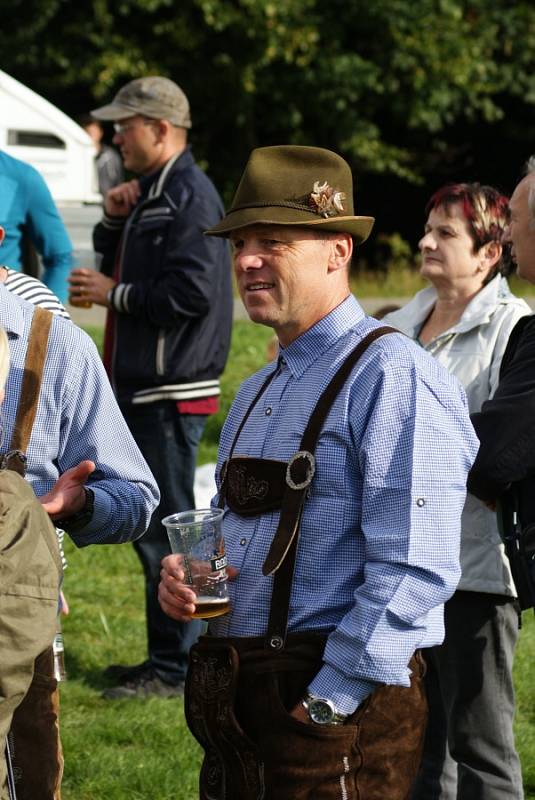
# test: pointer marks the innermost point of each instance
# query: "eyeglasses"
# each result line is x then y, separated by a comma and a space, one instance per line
122, 127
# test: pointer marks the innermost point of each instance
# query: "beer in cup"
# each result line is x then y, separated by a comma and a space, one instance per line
197, 536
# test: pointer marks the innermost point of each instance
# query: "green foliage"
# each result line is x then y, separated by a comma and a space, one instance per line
383, 82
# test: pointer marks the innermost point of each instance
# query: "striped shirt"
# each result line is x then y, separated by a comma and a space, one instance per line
33, 291
379, 546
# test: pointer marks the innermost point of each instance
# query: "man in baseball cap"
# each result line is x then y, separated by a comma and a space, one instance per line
153, 97
342, 470
168, 292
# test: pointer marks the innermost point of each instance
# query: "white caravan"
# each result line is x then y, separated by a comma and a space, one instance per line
35, 131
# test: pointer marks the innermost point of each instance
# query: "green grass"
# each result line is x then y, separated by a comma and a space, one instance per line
141, 749
116, 750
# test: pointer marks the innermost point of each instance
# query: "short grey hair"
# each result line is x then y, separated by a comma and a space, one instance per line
530, 172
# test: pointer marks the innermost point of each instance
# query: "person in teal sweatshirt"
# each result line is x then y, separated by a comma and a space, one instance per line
27, 209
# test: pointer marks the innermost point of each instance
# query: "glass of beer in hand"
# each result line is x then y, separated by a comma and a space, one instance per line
89, 260
198, 538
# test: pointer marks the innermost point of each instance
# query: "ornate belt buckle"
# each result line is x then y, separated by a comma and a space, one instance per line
309, 458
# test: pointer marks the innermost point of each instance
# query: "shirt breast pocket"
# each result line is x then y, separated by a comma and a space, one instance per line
331, 464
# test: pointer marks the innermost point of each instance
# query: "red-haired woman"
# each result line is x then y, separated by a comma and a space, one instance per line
464, 320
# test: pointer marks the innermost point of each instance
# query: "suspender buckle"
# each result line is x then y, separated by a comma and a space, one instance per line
305, 466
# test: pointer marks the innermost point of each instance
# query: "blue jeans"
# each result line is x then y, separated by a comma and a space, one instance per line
169, 442
469, 751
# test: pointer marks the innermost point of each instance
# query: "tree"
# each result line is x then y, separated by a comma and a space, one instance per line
404, 89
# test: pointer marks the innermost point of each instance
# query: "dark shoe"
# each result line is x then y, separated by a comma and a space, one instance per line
123, 672
146, 684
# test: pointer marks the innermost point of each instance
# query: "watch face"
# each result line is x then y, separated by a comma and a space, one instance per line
321, 711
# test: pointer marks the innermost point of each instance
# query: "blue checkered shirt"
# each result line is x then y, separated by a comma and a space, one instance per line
378, 552
77, 418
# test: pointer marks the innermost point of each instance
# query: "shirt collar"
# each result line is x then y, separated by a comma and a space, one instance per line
314, 343
11, 312
479, 310
152, 185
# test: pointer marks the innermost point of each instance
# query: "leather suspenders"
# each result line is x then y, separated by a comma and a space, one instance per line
34, 364
298, 472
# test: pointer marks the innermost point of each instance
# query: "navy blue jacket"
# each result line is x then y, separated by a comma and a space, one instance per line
173, 304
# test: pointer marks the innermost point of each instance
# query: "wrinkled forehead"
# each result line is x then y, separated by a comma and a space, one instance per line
523, 193
285, 233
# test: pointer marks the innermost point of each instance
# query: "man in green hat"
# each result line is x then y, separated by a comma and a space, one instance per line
342, 470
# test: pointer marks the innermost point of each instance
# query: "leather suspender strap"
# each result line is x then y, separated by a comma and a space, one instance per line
31, 381
301, 467
224, 478
282, 553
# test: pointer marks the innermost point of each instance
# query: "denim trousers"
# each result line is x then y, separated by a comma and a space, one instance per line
469, 750
169, 442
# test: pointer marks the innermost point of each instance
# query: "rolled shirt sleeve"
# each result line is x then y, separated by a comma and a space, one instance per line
415, 453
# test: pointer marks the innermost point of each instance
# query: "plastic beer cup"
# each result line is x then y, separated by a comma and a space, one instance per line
197, 536
89, 260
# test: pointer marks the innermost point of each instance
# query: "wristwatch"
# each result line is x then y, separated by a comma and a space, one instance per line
322, 711
81, 518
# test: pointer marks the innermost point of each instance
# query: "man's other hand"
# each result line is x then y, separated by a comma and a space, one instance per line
120, 200
67, 496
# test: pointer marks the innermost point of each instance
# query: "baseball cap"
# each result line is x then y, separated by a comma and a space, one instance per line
154, 97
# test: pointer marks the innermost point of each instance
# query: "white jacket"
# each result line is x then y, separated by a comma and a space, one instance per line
472, 350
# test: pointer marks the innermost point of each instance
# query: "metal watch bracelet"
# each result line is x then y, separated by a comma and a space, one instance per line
322, 711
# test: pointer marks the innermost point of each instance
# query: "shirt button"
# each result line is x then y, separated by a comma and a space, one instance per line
268, 411
243, 542
420, 502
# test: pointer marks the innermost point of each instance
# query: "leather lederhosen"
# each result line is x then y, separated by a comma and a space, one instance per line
235, 684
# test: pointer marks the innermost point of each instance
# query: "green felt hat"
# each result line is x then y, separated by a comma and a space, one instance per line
292, 185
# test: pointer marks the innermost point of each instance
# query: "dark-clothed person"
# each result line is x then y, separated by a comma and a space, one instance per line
168, 290
505, 468
342, 471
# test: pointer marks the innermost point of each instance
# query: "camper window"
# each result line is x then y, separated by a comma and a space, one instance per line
35, 139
